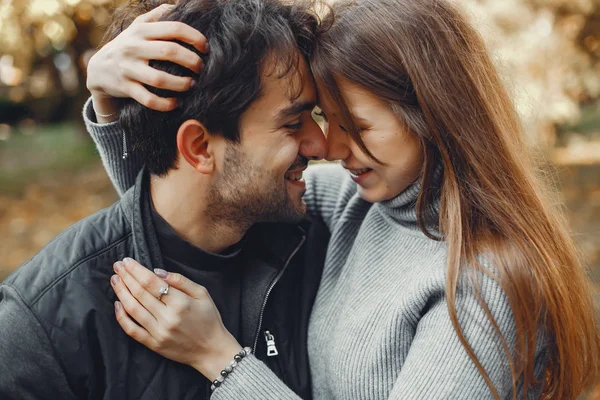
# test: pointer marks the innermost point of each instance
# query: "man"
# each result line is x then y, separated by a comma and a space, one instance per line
219, 201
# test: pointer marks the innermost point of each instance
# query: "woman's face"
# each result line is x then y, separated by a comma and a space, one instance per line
385, 137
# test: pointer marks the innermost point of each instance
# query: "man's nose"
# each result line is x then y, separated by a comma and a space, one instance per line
337, 146
313, 145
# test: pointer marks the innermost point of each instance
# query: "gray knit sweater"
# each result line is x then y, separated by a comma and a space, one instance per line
380, 327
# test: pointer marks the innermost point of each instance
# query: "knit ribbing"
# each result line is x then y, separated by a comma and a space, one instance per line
380, 327
109, 141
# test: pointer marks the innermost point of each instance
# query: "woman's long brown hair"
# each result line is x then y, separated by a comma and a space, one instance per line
425, 60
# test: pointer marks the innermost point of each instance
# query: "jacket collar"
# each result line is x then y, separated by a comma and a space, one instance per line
279, 239
137, 211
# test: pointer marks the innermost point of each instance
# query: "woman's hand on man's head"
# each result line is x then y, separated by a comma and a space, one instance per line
120, 69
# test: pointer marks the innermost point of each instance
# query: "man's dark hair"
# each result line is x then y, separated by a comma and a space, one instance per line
241, 35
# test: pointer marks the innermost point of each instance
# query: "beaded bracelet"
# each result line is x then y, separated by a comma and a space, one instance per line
229, 369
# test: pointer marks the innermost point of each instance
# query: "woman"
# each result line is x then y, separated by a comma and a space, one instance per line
448, 275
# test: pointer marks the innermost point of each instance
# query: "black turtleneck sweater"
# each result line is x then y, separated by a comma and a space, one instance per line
221, 274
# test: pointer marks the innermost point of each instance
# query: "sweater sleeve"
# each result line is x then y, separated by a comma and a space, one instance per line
327, 190
29, 369
253, 380
438, 366
109, 141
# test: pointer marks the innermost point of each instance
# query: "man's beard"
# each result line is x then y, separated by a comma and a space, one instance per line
246, 194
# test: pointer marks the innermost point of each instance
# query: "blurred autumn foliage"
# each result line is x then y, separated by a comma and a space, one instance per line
547, 50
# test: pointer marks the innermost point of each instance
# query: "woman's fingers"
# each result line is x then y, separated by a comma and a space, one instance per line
131, 305
143, 96
131, 328
182, 283
155, 14
188, 328
170, 51
174, 30
159, 79
144, 288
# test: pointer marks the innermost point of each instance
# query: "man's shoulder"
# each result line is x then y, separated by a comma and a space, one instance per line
68, 258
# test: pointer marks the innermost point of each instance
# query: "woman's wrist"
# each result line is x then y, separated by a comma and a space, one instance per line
105, 107
229, 369
212, 363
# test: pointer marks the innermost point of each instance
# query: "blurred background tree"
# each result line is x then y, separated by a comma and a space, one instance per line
44, 49
548, 49
50, 175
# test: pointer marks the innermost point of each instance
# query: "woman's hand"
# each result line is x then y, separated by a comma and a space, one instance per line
183, 325
121, 67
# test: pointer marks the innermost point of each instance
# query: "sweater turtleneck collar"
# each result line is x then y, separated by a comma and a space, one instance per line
403, 208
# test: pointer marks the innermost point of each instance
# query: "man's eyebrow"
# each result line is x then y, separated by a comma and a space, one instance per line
295, 109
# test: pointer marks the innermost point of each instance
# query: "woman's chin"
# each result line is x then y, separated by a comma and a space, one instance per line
377, 194
372, 195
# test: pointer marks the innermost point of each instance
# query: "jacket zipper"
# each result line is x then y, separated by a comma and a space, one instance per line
273, 283
262, 310
271, 348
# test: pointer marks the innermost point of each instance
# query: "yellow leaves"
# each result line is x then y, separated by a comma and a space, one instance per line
537, 47
39, 9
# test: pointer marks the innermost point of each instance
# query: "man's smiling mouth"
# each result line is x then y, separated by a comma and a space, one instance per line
295, 172
294, 175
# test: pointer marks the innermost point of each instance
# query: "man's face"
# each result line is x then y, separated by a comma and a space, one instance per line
262, 175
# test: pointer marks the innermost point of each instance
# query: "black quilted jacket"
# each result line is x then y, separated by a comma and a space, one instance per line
59, 338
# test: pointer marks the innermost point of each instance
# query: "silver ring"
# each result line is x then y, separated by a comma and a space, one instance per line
163, 290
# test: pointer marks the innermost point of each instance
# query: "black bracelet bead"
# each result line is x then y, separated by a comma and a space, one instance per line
229, 368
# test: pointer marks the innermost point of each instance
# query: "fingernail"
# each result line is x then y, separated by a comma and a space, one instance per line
206, 46
117, 266
161, 272
114, 280
128, 261
117, 306
193, 83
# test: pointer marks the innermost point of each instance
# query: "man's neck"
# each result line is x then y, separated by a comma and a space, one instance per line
184, 208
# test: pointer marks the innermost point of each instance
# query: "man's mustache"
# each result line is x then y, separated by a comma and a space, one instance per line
299, 163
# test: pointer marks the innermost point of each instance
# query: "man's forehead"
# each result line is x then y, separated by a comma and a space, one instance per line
291, 93
296, 107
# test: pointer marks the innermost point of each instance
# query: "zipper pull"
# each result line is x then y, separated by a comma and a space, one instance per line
271, 349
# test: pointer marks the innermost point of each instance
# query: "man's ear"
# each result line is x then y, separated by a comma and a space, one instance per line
193, 142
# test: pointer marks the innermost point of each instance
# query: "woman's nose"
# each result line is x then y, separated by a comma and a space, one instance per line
337, 146
313, 145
